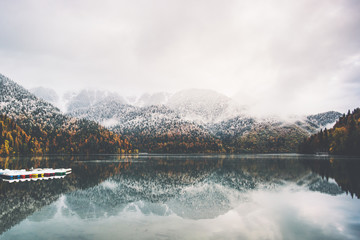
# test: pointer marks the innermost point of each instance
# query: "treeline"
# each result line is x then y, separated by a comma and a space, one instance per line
13, 139
343, 138
175, 143
80, 137
267, 140
262, 140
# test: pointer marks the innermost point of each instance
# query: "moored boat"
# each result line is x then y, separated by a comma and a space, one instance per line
33, 174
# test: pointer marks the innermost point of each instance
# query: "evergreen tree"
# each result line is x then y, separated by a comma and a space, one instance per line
343, 138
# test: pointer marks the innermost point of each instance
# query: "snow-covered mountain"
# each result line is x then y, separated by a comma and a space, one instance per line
247, 134
146, 99
49, 130
201, 106
160, 129
234, 127
76, 100
150, 127
18, 103
47, 94
158, 120
217, 112
87, 98
324, 120
107, 112
202, 113
191, 113
204, 106
237, 126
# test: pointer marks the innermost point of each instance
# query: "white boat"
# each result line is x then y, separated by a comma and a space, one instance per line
33, 174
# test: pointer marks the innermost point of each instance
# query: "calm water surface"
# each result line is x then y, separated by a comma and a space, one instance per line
185, 197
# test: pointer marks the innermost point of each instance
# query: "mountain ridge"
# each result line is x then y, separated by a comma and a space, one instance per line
193, 120
138, 122
46, 129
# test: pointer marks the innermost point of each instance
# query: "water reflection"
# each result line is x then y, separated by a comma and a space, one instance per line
344, 171
235, 193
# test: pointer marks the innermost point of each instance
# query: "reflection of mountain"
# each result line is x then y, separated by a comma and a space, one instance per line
195, 187
19, 200
191, 188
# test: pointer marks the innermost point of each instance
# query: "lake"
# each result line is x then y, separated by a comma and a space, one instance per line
280, 196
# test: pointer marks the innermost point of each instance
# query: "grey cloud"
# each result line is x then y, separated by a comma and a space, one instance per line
277, 55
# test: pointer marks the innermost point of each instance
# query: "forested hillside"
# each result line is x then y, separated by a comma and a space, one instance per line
13, 139
192, 121
30, 125
89, 138
201, 128
343, 138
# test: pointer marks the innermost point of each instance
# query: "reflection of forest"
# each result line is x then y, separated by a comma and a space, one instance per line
19, 200
346, 172
169, 174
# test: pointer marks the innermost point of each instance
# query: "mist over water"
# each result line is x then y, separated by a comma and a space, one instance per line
186, 197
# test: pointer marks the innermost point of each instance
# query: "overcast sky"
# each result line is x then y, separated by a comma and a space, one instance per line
297, 56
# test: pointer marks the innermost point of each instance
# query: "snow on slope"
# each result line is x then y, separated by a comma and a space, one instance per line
204, 106
160, 98
16, 102
324, 120
47, 94
87, 98
106, 112
203, 109
158, 120
201, 106
153, 119
76, 100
